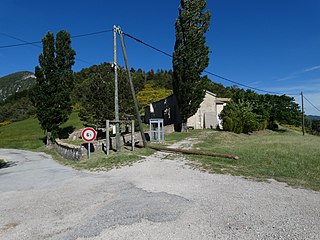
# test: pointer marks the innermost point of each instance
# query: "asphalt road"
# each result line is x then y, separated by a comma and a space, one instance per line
154, 199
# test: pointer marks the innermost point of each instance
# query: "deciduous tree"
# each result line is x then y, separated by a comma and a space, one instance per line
190, 56
54, 82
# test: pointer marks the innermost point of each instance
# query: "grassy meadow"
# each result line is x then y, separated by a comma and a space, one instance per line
285, 156
28, 135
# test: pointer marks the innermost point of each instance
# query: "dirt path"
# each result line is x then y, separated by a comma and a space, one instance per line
154, 199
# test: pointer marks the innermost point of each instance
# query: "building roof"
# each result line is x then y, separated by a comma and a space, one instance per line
223, 100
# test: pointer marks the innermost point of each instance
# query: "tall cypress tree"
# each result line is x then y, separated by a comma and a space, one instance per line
190, 56
54, 82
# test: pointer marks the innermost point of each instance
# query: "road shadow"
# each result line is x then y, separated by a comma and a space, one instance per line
8, 164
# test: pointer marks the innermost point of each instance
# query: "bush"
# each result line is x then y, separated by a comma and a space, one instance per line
239, 118
238, 127
263, 124
227, 124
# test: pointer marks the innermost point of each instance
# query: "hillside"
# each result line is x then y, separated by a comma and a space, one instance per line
15, 82
313, 117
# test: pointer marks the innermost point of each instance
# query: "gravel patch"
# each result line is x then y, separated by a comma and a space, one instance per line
153, 199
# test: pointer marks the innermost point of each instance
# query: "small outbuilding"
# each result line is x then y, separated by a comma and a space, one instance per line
207, 115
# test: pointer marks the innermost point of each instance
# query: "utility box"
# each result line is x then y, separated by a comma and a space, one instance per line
156, 130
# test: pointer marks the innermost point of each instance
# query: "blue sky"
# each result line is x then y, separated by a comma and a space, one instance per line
268, 44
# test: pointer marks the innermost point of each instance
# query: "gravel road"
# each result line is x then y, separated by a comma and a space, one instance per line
154, 199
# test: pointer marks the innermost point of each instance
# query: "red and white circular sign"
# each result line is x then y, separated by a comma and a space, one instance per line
89, 134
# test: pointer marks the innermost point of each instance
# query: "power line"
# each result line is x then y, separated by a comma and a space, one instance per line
311, 103
21, 40
210, 73
148, 45
37, 42
240, 84
90, 34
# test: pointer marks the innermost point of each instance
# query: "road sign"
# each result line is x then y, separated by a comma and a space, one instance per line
88, 134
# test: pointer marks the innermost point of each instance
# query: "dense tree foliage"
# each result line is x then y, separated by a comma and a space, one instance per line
217, 88
312, 125
16, 107
190, 56
151, 93
267, 110
54, 82
94, 93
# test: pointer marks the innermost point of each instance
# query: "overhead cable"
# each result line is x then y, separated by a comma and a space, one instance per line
37, 42
311, 103
210, 73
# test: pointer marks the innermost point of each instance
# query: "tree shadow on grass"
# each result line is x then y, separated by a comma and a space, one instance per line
281, 130
44, 140
65, 132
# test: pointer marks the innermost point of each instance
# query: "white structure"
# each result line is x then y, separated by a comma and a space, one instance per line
207, 115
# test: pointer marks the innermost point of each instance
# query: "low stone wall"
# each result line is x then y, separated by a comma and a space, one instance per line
75, 152
69, 151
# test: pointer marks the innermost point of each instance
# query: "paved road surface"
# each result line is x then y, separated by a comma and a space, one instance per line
153, 199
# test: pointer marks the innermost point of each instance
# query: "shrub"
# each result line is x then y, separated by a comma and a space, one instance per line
263, 124
239, 118
227, 124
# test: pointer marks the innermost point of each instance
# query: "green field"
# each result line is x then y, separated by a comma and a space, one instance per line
28, 135
285, 156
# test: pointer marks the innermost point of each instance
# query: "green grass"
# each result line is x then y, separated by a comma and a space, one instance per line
285, 156
25, 134
73, 121
28, 135
179, 136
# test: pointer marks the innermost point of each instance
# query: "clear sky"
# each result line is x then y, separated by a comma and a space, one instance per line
268, 44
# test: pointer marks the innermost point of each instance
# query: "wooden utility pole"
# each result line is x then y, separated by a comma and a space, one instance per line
132, 90
107, 138
302, 105
116, 94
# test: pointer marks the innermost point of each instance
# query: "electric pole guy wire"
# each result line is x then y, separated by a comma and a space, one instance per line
133, 91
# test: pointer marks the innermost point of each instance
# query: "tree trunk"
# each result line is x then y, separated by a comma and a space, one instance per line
184, 126
49, 142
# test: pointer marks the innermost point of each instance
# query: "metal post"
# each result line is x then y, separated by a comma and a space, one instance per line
302, 104
133, 91
88, 150
116, 94
107, 137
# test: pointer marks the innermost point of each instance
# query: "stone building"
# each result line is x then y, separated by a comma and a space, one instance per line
207, 115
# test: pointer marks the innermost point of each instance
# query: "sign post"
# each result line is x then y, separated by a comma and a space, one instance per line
88, 134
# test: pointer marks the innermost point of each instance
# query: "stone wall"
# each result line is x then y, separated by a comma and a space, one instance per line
75, 152
69, 151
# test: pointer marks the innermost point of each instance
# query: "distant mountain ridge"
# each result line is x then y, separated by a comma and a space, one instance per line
15, 82
313, 117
